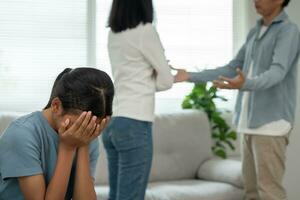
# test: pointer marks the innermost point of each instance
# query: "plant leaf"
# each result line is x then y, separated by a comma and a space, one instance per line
232, 135
220, 153
230, 145
202, 98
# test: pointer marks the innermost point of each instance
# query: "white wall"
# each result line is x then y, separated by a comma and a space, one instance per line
292, 176
293, 159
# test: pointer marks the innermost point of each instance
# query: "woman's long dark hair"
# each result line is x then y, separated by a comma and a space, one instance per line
127, 14
285, 3
85, 89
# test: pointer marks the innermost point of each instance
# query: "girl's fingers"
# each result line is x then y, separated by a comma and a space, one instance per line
91, 127
103, 123
97, 131
63, 126
85, 122
100, 127
78, 122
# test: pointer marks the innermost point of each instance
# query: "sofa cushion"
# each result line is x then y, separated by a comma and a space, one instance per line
185, 190
227, 171
181, 142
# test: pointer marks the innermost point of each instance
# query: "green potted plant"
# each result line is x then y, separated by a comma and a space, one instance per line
202, 98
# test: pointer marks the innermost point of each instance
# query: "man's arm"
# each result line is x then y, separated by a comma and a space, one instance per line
228, 70
285, 52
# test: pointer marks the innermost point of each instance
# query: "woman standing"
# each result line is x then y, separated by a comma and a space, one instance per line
139, 69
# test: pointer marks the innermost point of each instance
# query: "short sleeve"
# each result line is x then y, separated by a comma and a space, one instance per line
94, 155
19, 153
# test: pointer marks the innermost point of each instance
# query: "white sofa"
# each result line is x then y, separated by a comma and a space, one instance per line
183, 166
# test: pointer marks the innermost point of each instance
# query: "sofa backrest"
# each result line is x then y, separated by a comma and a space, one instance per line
181, 142
6, 119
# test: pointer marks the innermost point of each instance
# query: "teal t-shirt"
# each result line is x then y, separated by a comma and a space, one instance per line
29, 146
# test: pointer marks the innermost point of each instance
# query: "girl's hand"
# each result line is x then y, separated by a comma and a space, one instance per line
82, 131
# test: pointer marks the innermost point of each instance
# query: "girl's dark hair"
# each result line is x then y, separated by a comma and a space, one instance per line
85, 89
127, 14
285, 3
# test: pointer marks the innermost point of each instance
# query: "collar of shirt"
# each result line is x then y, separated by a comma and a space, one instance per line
281, 17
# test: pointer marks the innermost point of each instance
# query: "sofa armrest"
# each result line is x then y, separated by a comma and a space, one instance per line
227, 171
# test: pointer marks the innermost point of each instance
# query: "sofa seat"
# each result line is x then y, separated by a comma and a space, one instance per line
185, 190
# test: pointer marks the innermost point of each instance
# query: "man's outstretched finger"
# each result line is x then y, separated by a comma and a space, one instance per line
240, 72
223, 78
221, 85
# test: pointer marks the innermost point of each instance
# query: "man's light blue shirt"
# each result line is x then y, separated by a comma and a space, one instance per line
273, 86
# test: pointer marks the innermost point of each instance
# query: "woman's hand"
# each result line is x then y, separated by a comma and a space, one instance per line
181, 75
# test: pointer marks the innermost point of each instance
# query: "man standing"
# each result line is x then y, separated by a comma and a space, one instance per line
265, 73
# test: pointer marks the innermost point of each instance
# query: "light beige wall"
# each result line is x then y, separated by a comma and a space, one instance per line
292, 179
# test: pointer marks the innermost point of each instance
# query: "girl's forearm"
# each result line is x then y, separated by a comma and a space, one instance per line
84, 183
58, 185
